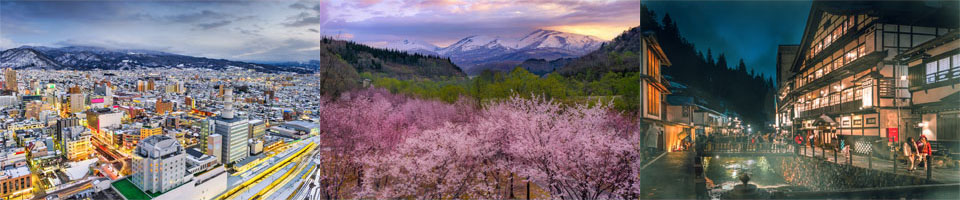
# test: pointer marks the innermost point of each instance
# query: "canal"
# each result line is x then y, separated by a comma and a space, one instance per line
722, 174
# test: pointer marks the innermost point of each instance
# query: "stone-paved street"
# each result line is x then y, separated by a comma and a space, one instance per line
670, 177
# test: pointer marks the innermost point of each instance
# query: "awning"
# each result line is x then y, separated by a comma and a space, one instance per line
825, 120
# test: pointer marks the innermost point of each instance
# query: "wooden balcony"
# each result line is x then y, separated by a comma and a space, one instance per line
846, 107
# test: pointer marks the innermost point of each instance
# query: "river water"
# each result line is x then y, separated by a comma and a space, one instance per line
723, 174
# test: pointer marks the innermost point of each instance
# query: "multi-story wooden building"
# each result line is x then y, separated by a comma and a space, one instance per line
848, 82
652, 91
786, 54
934, 74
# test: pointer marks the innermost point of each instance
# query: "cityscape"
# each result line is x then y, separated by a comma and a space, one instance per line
479, 99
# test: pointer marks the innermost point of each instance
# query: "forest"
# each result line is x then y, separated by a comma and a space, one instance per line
709, 77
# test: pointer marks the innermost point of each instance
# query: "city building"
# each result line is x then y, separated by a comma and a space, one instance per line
15, 181
159, 163
214, 146
103, 117
77, 103
148, 130
257, 129
234, 131
10, 79
76, 143
652, 91
849, 83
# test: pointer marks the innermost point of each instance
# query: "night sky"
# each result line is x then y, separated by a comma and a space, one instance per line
740, 29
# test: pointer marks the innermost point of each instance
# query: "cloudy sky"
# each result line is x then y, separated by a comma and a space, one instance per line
286, 30
740, 29
443, 22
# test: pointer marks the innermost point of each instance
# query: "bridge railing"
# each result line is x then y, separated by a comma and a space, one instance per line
744, 145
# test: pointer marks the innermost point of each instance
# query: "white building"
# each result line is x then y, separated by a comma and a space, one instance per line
159, 163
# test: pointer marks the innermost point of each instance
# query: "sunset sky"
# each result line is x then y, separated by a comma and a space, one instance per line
443, 22
285, 30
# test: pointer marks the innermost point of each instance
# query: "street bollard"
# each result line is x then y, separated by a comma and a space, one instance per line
870, 160
926, 165
835, 157
894, 163
850, 158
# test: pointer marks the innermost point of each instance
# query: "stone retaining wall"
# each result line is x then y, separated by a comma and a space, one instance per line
818, 175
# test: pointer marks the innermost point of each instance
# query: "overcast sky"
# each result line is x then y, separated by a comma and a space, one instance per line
287, 30
740, 29
443, 22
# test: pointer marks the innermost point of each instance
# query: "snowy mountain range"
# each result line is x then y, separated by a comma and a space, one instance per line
88, 58
480, 51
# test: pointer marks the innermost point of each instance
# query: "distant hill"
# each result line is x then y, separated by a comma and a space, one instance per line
90, 58
476, 53
619, 55
536, 66
392, 63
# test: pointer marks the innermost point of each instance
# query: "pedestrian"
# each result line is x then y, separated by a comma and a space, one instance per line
923, 147
910, 151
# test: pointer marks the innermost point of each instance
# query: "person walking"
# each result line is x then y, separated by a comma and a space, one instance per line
923, 147
910, 151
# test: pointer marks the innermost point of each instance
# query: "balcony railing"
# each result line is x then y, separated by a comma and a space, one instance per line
945, 75
844, 107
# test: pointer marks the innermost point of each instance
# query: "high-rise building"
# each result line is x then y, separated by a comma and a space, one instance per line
159, 164
10, 79
233, 129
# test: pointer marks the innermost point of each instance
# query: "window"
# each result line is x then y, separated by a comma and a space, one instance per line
653, 64
943, 69
871, 120
653, 100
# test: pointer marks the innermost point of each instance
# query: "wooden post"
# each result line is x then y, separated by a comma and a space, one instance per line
835, 157
894, 162
528, 188
926, 165
850, 158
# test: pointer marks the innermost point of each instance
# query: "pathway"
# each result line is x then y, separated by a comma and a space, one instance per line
669, 177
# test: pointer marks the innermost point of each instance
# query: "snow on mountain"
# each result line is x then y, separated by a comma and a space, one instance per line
87, 58
405, 45
477, 42
555, 39
481, 50
26, 58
